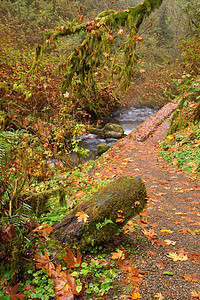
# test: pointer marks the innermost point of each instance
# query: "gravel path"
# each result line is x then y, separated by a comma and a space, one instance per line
173, 211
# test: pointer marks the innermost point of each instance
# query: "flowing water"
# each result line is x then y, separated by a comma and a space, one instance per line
129, 118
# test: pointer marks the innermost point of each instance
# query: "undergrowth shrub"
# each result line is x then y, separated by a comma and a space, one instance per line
182, 145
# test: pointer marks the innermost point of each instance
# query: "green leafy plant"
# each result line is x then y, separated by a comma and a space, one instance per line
98, 278
106, 221
182, 149
39, 286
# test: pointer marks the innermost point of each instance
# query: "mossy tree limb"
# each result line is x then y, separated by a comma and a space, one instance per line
108, 210
109, 44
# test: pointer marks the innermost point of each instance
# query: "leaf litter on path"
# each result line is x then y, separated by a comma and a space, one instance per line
170, 192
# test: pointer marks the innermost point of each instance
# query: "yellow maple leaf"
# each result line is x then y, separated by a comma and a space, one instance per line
169, 242
195, 294
118, 255
166, 230
82, 216
176, 257
170, 137
159, 296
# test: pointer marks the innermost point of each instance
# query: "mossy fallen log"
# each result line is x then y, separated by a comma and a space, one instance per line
103, 214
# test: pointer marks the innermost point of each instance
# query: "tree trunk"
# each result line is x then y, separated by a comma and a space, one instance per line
106, 212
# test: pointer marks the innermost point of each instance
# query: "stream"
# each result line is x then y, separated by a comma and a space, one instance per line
129, 118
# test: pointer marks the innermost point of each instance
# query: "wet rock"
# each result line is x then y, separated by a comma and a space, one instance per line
113, 131
95, 130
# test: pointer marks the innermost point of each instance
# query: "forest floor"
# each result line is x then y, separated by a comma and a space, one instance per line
167, 265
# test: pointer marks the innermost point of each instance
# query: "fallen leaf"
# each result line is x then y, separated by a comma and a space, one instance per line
169, 242
193, 256
162, 263
120, 216
151, 253
82, 216
159, 243
189, 277
150, 234
118, 255
121, 31
134, 295
29, 288
183, 230
166, 230
168, 273
13, 292
176, 257
80, 194
195, 294
43, 262
160, 194
159, 296
70, 259
137, 203
143, 213
43, 231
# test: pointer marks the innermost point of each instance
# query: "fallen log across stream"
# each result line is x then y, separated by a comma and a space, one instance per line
100, 217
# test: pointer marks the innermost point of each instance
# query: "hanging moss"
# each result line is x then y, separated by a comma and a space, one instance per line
85, 63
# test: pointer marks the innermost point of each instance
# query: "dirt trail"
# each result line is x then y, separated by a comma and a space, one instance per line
173, 211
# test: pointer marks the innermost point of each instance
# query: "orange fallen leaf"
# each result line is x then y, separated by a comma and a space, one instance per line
193, 256
161, 262
189, 277
43, 231
159, 296
80, 194
151, 253
82, 216
70, 259
120, 216
195, 294
118, 255
159, 243
134, 295
143, 213
43, 262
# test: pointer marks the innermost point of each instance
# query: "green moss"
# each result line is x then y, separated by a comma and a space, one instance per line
39, 201
105, 13
121, 200
113, 127
102, 148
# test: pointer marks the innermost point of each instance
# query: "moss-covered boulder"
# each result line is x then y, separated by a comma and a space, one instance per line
98, 218
113, 131
95, 130
102, 148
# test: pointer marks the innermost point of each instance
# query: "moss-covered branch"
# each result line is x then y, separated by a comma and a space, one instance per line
109, 45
